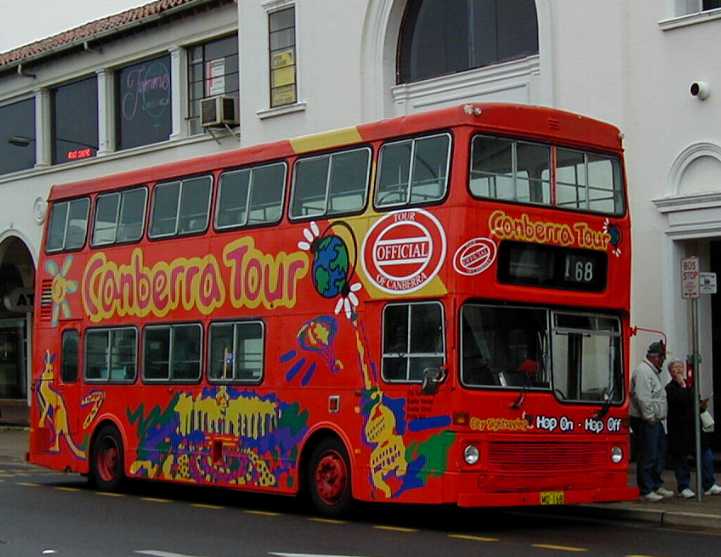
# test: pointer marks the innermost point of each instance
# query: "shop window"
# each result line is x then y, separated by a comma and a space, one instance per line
143, 96
330, 184
250, 196
75, 120
413, 171
181, 207
68, 225
438, 37
283, 66
69, 356
17, 140
413, 340
236, 351
212, 71
119, 217
110, 354
172, 352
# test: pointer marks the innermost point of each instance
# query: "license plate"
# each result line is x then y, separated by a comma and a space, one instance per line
551, 497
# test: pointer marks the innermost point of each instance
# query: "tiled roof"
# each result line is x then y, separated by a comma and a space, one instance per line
89, 31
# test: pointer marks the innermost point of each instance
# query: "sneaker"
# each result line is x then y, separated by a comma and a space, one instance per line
687, 494
652, 497
663, 492
713, 490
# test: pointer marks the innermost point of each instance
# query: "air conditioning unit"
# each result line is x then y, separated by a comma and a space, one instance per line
219, 111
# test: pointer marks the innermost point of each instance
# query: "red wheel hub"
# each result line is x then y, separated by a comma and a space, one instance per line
331, 476
107, 459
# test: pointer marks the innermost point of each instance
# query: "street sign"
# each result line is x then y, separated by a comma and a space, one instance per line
707, 283
19, 300
690, 280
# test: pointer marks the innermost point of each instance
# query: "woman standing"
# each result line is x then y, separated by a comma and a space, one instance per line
681, 434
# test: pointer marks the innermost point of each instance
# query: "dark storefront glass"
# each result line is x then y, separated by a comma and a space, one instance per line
75, 120
144, 112
17, 136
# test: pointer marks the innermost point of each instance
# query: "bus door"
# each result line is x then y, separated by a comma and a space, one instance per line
408, 411
58, 397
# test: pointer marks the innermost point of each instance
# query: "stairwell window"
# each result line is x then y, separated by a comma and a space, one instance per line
282, 57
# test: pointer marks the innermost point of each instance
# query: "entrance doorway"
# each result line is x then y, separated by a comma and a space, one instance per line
13, 350
715, 249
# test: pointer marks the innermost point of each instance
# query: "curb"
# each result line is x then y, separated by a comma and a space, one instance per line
653, 516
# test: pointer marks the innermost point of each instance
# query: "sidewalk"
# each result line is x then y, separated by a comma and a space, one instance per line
669, 512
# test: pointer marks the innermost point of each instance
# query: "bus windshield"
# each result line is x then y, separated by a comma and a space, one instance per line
576, 355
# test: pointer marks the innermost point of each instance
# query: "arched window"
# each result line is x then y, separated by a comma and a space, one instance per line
439, 37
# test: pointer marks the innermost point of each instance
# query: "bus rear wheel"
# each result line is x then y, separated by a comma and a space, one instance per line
106, 460
329, 478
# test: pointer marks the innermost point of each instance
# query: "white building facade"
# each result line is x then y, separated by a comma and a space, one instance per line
306, 66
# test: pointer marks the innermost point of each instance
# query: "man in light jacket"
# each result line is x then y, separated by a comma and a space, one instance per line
648, 413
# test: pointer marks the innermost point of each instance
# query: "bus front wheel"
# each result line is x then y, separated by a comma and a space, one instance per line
329, 478
106, 464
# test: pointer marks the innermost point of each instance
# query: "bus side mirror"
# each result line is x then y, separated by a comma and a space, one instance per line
432, 378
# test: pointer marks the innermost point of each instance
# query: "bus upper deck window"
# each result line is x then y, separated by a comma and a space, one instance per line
68, 225
413, 171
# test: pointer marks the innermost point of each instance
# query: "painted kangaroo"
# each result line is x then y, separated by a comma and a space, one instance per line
53, 408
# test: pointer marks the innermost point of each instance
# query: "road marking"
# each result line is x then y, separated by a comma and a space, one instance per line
559, 547
307, 555
159, 553
262, 513
206, 506
394, 528
28, 484
328, 521
67, 489
472, 538
109, 494
155, 500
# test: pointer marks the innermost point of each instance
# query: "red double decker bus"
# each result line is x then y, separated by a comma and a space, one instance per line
430, 309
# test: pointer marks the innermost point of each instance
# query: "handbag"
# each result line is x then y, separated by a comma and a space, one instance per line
707, 423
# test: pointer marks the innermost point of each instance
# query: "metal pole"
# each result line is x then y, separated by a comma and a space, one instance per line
696, 388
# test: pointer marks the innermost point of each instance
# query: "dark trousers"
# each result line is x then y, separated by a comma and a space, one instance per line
683, 473
651, 440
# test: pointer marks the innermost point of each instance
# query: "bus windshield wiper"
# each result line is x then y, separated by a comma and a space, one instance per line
605, 407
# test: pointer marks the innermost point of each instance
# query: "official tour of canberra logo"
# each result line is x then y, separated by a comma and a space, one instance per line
403, 251
475, 256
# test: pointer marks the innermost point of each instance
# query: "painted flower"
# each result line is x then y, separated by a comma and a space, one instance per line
60, 288
311, 235
348, 301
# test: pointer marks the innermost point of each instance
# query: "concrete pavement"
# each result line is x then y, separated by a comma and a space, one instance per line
669, 512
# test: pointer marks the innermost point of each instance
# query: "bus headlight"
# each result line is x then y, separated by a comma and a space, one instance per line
616, 454
471, 454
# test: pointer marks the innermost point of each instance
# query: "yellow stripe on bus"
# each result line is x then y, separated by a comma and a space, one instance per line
335, 138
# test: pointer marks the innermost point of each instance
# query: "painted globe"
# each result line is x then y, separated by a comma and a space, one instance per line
330, 266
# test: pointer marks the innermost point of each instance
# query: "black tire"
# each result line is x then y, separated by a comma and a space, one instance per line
328, 478
106, 459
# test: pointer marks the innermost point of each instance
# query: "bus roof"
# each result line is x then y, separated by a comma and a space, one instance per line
533, 122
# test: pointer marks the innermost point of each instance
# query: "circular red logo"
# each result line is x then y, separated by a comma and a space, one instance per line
475, 256
403, 251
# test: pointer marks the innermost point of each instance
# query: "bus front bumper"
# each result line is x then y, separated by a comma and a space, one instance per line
535, 498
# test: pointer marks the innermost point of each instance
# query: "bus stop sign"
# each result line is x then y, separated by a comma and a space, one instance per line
690, 283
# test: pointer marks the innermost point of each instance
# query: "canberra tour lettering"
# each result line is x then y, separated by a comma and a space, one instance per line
523, 229
110, 288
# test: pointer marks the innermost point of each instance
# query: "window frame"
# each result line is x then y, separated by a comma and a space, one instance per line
554, 147
63, 378
413, 139
269, 14
233, 380
219, 181
109, 380
118, 214
330, 154
68, 202
169, 379
408, 355
176, 233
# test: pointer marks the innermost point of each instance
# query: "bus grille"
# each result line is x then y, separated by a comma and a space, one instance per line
544, 456
46, 300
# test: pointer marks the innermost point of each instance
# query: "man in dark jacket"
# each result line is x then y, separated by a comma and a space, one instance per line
682, 435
